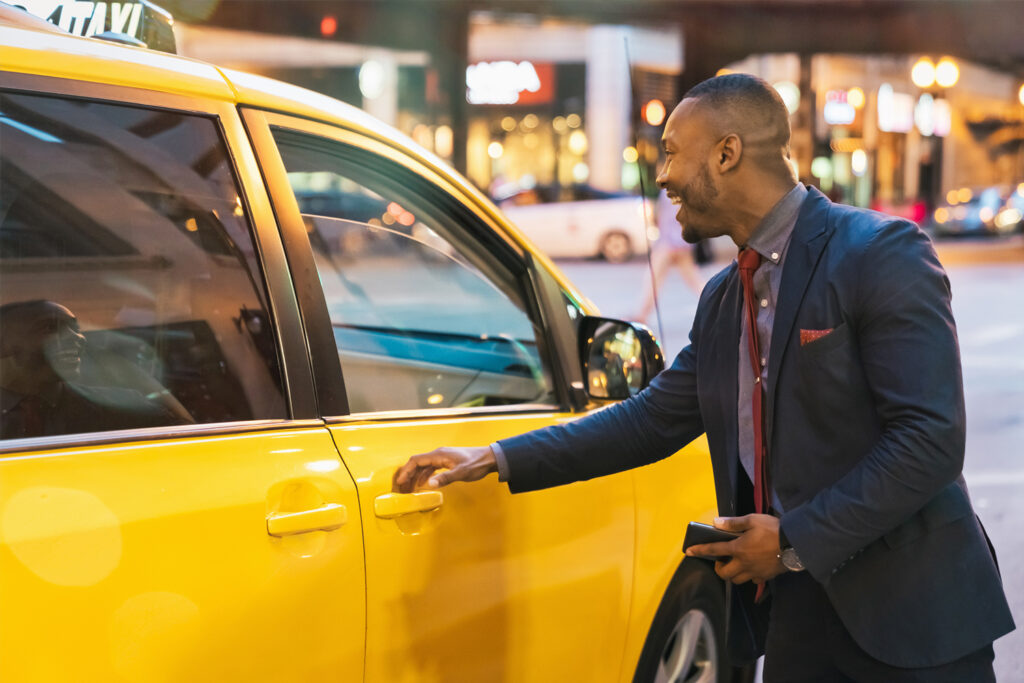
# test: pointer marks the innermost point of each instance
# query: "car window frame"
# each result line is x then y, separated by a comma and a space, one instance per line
323, 349
298, 392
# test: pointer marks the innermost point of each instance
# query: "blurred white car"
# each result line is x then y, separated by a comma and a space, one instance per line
581, 221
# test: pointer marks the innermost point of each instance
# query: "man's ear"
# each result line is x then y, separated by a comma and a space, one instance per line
728, 152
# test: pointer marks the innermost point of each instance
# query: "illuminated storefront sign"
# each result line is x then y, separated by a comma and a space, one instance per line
838, 111
88, 18
895, 110
510, 82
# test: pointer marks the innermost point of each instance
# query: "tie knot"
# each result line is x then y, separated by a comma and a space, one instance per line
749, 259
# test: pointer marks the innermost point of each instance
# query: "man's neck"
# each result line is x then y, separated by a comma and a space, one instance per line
750, 210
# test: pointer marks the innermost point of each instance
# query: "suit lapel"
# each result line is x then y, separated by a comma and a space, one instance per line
810, 235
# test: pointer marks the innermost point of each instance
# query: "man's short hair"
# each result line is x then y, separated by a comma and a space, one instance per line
748, 104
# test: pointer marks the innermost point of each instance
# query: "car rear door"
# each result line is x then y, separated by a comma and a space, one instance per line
171, 508
428, 331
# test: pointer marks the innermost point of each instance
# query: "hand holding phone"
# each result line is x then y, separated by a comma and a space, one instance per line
699, 534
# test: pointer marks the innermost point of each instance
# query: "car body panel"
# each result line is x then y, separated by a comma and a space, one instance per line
467, 591
151, 561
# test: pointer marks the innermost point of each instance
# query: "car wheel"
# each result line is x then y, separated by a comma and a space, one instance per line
686, 643
616, 247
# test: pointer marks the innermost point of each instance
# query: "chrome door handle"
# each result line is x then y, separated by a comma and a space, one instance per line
326, 518
391, 505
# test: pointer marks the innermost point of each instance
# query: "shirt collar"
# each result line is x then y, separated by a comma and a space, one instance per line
773, 232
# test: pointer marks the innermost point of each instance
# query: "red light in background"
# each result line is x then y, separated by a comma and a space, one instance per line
328, 26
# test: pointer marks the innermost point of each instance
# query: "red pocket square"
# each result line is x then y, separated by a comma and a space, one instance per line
807, 336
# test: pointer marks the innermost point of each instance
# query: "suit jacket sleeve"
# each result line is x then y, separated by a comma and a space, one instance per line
904, 328
650, 426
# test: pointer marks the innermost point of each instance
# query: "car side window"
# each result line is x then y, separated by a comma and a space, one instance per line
423, 315
131, 294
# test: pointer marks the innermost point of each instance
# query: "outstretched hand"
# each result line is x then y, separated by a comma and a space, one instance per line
442, 466
755, 554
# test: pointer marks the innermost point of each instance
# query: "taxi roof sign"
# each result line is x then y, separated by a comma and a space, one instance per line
135, 19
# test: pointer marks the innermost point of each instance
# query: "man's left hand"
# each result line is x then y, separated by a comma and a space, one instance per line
755, 554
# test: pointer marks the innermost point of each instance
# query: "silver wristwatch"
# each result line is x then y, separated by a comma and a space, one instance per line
790, 560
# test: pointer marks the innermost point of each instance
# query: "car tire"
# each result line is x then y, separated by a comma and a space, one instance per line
686, 642
616, 247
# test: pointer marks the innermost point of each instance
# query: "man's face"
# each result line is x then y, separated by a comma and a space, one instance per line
686, 173
46, 342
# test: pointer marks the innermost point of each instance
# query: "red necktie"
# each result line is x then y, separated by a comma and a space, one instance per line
749, 261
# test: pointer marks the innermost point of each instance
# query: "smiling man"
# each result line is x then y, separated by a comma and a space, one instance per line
823, 365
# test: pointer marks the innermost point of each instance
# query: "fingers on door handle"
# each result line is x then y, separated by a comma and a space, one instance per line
391, 505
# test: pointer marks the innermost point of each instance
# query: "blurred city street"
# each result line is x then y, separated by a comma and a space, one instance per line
986, 278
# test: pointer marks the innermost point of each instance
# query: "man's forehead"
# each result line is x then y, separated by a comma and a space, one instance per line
685, 121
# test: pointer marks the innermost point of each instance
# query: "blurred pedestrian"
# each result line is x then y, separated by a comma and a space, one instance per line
823, 366
669, 250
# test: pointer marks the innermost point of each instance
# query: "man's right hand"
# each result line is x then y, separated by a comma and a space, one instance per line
459, 464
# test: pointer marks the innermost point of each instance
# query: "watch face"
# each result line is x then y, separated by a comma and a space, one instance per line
791, 561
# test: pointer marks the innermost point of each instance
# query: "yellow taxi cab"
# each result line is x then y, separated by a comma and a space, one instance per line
230, 308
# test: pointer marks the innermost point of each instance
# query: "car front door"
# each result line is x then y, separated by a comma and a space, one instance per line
429, 316
170, 507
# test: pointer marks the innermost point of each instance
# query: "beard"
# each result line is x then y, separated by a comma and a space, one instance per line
696, 197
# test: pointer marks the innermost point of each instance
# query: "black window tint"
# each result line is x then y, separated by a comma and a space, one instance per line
130, 293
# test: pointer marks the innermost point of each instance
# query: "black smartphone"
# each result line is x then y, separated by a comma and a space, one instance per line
699, 534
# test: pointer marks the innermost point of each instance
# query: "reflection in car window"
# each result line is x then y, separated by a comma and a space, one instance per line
423, 317
131, 294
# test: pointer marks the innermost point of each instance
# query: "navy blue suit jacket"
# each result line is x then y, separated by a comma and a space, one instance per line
865, 428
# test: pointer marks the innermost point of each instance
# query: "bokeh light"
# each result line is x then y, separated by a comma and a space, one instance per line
630, 155
947, 73
923, 73
790, 94
855, 98
495, 150
654, 112
578, 142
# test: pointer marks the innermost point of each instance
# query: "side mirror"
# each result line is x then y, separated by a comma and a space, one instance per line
619, 359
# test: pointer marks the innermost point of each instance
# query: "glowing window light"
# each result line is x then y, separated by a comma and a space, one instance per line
654, 112
578, 142
821, 167
790, 94
444, 141
947, 73
923, 73
855, 97
859, 162
371, 79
